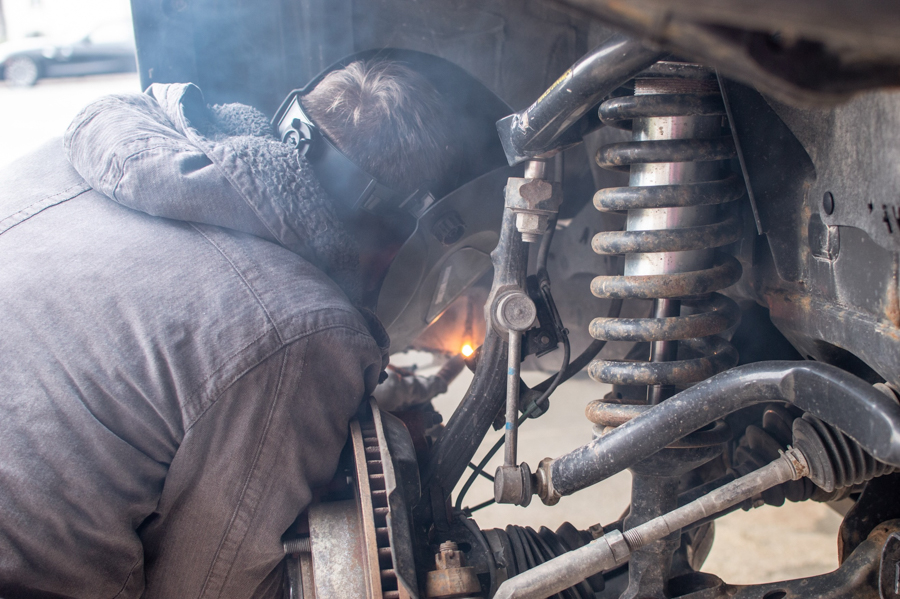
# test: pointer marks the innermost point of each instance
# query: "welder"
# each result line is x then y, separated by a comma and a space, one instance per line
185, 295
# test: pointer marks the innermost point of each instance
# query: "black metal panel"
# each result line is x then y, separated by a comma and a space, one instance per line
517, 49
855, 150
779, 172
814, 52
249, 51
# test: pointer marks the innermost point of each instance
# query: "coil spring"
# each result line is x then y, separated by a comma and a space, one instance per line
712, 313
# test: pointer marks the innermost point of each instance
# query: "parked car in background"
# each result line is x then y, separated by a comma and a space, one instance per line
109, 48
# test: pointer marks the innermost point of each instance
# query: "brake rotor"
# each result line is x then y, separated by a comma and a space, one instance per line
350, 552
373, 506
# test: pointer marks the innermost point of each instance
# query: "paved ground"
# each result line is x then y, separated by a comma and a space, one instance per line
30, 116
764, 545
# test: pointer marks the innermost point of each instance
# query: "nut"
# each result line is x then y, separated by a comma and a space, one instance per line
531, 226
449, 556
452, 577
544, 485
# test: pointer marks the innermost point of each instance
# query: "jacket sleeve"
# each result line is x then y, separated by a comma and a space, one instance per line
127, 148
246, 468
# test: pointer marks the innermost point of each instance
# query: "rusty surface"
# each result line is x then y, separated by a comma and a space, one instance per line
609, 414
835, 57
452, 578
808, 321
620, 156
392, 552
701, 193
714, 316
719, 356
338, 558
691, 104
362, 455
877, 503
858, 577
700, 237
892, 306
724, 273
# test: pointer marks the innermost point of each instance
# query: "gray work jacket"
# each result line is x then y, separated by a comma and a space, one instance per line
173, 380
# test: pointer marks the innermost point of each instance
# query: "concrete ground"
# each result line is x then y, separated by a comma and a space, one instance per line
29, 116
766, 544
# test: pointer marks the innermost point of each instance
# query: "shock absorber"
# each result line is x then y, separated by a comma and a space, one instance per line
679, 182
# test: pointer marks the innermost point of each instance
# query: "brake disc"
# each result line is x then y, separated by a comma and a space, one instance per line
362, 547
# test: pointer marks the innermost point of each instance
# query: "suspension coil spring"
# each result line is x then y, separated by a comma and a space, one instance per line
676, 223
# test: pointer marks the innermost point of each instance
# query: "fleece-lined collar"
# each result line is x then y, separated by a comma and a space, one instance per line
168, 154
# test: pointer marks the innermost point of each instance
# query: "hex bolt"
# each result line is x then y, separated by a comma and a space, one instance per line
452, 578
534, 201
449, 556
828, 203
531, 226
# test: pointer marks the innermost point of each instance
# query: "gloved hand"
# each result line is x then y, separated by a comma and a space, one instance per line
403, 390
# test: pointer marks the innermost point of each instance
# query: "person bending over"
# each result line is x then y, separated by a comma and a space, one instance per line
182, 342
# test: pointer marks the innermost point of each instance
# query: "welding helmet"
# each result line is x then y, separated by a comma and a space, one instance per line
451, 225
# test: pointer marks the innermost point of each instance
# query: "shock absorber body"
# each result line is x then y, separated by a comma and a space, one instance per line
679, 182
679, 179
